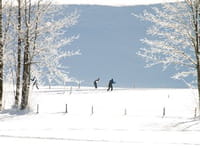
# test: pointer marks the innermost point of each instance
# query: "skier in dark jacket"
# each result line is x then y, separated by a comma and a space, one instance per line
95, 82
110, 85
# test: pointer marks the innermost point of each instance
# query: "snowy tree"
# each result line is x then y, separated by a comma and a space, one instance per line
36, 44
174, 39
9, 42
44, 40
1, 53
19, 53
48, 64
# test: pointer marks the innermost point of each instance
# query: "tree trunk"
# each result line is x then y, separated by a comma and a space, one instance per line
26, 79
26, 74
197, 31
27, 61
1, 55
198, 85
18, 72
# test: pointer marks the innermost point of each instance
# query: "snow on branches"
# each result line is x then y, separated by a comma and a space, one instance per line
48, 38
171, 38
52, 46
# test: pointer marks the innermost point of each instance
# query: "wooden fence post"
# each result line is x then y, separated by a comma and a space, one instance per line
92, 110
195, 112
164, 112
70, 91
37, 108
125, 112
66, 110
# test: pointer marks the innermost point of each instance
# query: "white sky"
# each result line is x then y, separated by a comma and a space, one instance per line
112, 2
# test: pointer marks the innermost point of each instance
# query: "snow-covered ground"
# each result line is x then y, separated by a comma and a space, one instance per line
97, 122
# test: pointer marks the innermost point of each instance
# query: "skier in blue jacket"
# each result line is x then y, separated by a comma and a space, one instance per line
110, 85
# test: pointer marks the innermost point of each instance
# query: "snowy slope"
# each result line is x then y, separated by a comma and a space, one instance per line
138, 102
109, 40
125, 121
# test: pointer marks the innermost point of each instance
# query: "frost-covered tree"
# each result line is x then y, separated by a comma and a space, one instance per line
36, 44
1, 53
174, 39
45, 38
49, 65
19, 53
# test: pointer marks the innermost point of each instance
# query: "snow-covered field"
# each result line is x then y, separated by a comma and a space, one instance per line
97, 122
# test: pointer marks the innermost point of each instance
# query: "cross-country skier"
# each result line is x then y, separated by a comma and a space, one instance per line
35, 82
110, 85
95, 82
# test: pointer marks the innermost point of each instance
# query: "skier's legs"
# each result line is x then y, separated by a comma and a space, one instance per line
110, 87
34, 83
37, 85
